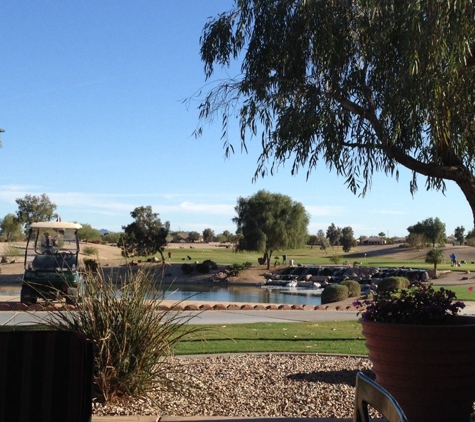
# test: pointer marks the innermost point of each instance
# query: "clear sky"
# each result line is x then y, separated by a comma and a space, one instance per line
91, 99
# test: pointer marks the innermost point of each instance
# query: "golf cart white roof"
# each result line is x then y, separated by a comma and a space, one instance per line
55, 225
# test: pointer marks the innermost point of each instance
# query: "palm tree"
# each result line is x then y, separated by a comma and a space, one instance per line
435, 256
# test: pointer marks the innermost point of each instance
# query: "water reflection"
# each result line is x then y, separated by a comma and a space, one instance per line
213, 293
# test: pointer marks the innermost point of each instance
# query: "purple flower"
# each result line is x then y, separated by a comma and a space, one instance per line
419, 304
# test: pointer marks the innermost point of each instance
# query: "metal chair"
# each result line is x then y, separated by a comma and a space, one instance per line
369, 393
45, 376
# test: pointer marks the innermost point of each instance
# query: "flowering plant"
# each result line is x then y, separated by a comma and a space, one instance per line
419, 304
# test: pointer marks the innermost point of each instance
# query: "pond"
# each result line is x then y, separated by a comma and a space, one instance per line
213, 293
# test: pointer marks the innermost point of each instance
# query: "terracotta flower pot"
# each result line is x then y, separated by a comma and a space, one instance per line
430, 370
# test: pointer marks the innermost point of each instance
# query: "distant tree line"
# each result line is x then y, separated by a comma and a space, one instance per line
266, 222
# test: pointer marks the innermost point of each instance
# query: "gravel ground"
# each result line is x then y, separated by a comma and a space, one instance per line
256, 385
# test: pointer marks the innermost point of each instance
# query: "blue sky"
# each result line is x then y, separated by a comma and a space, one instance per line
91, 99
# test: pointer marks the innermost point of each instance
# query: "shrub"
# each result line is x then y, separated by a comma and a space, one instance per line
202, 268
12, 250
354, 288
235, 269
133, 339
91, 265
211, 264
187, 268
334, 293
393, 283
90, 250
335, 258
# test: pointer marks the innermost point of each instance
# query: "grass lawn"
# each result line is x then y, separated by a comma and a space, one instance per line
315, 256
342, 337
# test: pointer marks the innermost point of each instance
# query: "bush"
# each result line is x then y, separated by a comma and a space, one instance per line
91, 265
393, 283
12, 250
133, 339
334, 293
90, 250
354, 288
335, 259
187, 268
202, 268
235, 269
210, 264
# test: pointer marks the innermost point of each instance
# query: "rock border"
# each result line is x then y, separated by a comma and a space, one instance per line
49, 307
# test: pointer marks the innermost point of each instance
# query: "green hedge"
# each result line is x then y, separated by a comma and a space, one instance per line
334, 293
393, 283
354, 288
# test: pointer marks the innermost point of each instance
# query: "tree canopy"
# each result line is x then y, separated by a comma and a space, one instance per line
362, 86
432, 230
32, 209
146, 235
347, 239
268, 222
88, 233
208, 235
10, 228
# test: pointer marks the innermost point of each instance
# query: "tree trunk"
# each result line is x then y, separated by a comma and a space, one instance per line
268, 254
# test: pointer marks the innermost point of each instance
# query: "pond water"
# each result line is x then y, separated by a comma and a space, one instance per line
213, 293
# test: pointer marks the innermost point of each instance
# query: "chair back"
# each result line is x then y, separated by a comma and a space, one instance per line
45, 376
369, 393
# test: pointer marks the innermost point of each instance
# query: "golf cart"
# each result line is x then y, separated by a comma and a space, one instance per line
51, 263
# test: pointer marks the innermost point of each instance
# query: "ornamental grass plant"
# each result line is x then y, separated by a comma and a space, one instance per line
133, 339
419, 305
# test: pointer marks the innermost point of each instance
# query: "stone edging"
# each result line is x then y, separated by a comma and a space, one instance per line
17, 306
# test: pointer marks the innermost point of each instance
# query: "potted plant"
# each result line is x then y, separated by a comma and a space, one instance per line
422, 351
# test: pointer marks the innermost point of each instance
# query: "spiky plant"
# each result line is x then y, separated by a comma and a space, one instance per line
133, 338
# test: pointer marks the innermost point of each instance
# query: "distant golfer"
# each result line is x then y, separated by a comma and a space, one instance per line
453, 259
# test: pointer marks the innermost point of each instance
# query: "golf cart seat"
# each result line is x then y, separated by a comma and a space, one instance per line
45, 376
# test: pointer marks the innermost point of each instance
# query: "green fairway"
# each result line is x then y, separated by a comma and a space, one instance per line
365, 256
343, 337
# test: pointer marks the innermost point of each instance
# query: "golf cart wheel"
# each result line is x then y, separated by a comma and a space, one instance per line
28, 295
72, 296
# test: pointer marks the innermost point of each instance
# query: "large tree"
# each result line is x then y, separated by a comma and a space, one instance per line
32, 209
347, 239
270, 221
459, 234
208, 235
333, 234
360, 85
10, 228
431, 229
146, 235
88, 233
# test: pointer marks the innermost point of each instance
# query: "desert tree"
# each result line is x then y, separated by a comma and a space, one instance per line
88, 233
268, 222
32, 209
358, 86
147, 235
431, 229
347, 239
10, 228
459, 234
323, 240
333, 234
208, 235
193, 236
